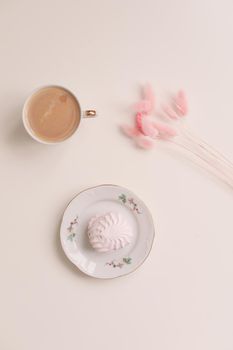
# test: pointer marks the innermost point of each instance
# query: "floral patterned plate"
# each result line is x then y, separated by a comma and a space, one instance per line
96, 201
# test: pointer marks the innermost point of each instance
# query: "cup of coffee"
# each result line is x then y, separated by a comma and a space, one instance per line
52, 114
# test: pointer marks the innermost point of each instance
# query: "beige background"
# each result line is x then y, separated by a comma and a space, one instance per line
181, 298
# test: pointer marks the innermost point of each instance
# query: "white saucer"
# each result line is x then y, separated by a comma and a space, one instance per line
100, 200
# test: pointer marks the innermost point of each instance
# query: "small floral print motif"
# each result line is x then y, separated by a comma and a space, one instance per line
131, 202
120, 264
114, 264
72, 234
123, 198
134, 205
127, 260
71, 237
74, 222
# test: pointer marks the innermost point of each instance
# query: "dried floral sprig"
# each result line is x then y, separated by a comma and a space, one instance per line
70, 229
146, 130
72, 224
131, 203
120, 264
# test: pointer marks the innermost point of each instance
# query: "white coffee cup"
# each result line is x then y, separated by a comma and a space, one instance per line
26, 120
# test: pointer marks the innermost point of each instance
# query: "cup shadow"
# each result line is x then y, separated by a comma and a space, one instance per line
17, 135
20, 142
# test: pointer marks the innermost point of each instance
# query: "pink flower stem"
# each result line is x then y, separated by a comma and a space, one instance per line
212, 158
213, 164
206, 147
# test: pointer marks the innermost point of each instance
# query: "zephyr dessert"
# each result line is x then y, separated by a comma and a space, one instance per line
109, 232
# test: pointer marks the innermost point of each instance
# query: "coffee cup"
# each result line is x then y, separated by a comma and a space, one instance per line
52, 114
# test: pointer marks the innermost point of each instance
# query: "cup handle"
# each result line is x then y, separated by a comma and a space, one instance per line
89, 113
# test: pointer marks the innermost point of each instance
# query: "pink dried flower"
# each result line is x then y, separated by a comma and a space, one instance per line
165, 130
147, 104
144, 142
148, 128
170, 113
129, 130
181, 103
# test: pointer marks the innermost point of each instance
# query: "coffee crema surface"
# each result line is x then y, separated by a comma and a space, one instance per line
53, 114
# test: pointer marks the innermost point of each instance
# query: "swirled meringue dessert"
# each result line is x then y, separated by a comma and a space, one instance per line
109, 232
